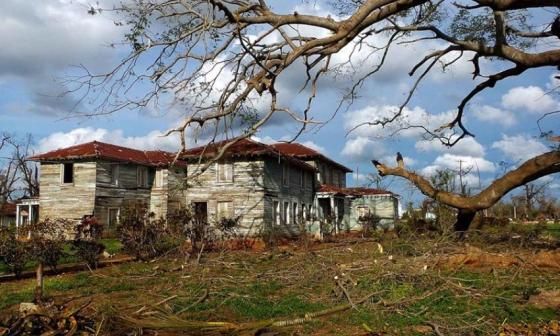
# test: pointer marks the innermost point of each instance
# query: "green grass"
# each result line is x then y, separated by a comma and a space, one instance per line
248, 287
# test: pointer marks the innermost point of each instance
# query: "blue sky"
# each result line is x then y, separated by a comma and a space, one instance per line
47, 38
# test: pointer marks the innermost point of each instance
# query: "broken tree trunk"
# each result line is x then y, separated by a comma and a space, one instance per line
530, 170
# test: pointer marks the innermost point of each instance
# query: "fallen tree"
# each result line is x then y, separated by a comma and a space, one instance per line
467, 206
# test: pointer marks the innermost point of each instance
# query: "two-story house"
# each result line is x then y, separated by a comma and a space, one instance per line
99, 179
251, 180
277, 186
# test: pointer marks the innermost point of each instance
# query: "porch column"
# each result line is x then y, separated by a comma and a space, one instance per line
30, 216
334, 214
17, 217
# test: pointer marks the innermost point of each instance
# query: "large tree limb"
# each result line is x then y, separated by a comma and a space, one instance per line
539, 166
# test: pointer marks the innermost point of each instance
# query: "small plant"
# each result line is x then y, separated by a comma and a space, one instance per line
369, 223
86, 242
13, 252
142, 235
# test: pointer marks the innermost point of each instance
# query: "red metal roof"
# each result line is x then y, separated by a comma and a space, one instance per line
241, 148
7, 209
356, 191
303, 152
101, 150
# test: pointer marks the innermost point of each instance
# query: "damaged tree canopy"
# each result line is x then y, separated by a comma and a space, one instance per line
222, 58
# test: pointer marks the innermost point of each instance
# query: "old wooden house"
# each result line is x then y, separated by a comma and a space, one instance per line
100, 179
280, 186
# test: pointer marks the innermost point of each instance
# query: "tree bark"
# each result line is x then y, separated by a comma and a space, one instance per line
39, 285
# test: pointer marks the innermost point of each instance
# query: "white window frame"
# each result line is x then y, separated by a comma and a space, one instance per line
276, 212
219, 167
109, 215
115, 174
228, 209
62, 171
286, 212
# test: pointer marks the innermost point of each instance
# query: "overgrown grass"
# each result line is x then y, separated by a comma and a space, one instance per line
246, 287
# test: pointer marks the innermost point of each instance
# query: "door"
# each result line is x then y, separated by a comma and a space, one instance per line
201, 212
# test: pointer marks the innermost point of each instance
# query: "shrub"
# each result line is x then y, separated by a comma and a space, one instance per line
86, 242
46, 240
369, 223
13, 252
142, 235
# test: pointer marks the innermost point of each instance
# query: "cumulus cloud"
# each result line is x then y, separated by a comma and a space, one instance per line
362, 149
43, 40
151, 141
530, 98
520, 147
494, 115
406, 124
466, 146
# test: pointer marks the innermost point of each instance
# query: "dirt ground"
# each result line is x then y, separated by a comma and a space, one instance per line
384, 285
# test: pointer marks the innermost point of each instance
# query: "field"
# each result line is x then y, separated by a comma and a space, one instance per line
412, 284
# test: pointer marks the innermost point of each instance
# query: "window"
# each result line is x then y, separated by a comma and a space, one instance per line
142, 177
295, 215
224, 172
286, 213
115, 175
67, 174
302, 179
113, 217
285, 174
342, 180
276, 212
158, 180
224, 209
363, 211
335, 179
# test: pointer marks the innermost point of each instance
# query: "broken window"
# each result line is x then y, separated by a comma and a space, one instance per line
224, 209
142, 177
224, 172
67, 173
115, 175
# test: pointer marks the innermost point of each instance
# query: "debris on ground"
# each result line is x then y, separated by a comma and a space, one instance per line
49, 319
546, 299
551, 328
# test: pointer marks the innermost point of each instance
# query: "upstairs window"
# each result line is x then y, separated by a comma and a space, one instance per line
142, 177
224, 172
285, 174
67, 173
302, 179
115, 175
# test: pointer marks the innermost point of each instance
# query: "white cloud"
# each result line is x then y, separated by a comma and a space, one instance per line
466, 146
362, 149
520, 147
495, 115
150, 141
464, 162
406, 124
531, 98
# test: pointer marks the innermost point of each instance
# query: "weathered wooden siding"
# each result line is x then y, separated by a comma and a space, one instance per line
124, 194
383, 206
176, 178
293, 192
328, 173
72, 201
246, 192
